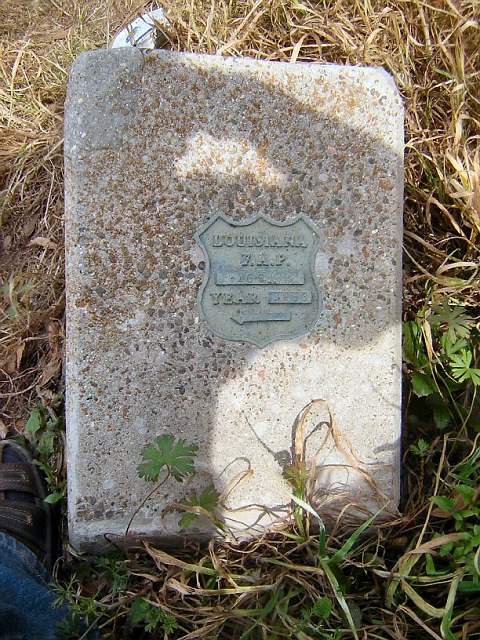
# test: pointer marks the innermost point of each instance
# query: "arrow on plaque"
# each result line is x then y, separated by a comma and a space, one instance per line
263, 317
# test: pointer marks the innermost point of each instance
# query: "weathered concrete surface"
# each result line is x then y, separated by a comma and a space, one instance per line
154, 147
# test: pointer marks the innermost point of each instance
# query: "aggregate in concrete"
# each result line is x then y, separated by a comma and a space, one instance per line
156, 146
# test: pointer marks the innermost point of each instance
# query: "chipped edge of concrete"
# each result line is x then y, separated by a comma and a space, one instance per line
94, 76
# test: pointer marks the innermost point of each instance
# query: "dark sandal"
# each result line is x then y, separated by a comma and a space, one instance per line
23, 512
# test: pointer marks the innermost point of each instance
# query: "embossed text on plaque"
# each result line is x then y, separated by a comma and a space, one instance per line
259, 285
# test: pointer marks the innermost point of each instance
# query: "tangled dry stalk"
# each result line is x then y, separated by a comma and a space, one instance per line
432, 49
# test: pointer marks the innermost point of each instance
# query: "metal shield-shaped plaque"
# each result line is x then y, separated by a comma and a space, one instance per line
259, 285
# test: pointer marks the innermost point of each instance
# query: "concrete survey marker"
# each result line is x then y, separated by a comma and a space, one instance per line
233, 238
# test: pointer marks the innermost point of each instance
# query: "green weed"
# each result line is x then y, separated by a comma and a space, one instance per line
45, 431
451, 557
151, 617
441, 345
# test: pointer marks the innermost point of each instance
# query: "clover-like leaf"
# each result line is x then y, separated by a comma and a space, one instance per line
457, 323
461, 370
177, 456
207, 500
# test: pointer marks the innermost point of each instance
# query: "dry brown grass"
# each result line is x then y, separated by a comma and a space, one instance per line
431, 47
39, 41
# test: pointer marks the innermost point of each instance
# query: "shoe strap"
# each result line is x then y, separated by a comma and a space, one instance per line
27, 522
15, 476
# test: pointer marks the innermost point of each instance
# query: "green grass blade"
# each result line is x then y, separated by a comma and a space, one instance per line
309, 509
339, 595
445, 628
421, 603
406, 564
340, 555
